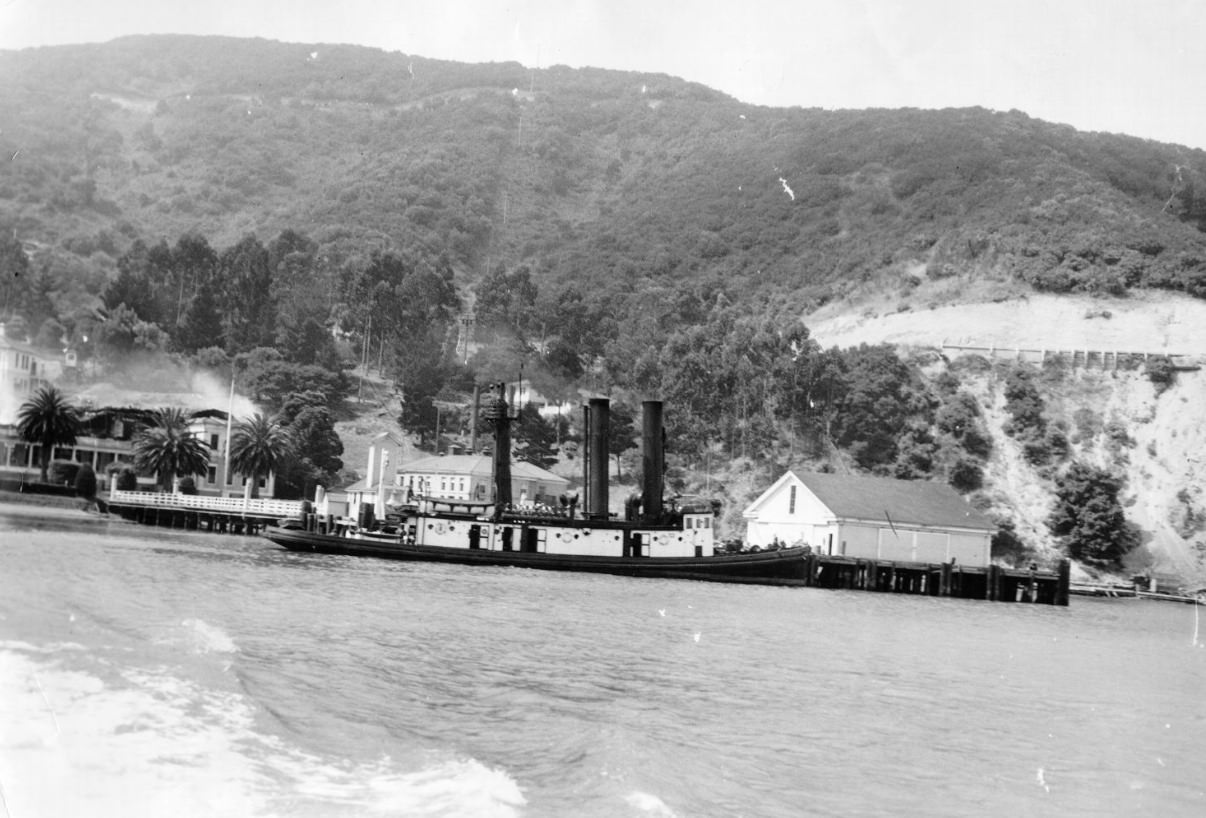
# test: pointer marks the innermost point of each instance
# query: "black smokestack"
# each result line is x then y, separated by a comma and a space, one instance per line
496, 412
599, 416
652, 459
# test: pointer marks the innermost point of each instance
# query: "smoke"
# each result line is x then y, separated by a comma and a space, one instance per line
209, 388
146, 381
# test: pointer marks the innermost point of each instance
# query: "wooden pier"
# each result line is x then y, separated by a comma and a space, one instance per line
190, 512
994, 583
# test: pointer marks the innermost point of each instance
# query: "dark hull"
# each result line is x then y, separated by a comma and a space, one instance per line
785, 567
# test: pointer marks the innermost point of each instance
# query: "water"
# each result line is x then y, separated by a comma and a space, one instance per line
145, 672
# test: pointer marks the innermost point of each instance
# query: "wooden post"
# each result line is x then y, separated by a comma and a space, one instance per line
1063, 583
944, 588
992, 583
872, 583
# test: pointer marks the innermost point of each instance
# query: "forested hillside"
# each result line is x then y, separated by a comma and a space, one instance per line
292, 210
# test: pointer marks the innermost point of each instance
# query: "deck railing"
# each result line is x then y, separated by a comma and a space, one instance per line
196, 502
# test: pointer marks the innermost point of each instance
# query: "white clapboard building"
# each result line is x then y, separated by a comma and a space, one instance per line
870, 517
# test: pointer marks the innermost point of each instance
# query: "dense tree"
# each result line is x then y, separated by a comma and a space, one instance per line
259, 446
533, 438
123, 335
194, 265
14, 272
246, 276
47, 420
314, 455
201, 324
880, 396
270, 379
133, 285
960, 417
1088, 516
299, 318
506, 301
622, 433
169, 450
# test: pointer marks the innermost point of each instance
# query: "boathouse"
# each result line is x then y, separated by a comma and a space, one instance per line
874, 518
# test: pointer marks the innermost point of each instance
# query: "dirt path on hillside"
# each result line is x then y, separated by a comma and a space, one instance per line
1154, 322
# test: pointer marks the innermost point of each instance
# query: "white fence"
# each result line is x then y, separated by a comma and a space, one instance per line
228, 505
1076, 358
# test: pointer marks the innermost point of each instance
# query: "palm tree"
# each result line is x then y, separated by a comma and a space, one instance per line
48, 420
258, 447
169, 449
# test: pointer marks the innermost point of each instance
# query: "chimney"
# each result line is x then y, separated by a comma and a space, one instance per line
652, 459
496, 412
596, 442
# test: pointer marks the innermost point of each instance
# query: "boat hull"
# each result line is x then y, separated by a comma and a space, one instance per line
786, 567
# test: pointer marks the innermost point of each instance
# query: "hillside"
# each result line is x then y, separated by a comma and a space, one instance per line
1161, 455
293, 210
597, 177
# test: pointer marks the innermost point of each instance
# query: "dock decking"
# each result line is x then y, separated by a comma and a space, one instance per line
994, 583
232, 515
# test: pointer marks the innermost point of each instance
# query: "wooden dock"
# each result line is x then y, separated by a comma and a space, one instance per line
994, 583
191, 512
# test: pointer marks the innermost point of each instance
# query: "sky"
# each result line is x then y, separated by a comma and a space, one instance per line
1124, 66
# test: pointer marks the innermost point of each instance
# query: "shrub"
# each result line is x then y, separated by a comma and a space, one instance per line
127, 480
85, 482
1006, 544
62, 472
966, 475
1024, 405
1159, 370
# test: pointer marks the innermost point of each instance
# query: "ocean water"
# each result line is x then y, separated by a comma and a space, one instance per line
148, 672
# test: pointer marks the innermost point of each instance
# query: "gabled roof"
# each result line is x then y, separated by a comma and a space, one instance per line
449, 464
909, 502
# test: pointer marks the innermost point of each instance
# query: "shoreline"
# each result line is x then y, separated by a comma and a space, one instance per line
57, 506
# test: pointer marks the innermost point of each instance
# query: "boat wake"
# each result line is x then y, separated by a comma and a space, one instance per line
79, 737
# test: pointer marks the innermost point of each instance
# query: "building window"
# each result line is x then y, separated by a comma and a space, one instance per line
212, 476
791, 502
213, 441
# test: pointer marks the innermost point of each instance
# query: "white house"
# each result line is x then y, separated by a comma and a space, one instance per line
870, 517
469, 477
23, 370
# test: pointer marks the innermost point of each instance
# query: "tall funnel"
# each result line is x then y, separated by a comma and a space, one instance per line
652, 459
599, 417
496, 411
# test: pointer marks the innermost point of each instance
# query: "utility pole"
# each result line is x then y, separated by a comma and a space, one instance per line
226, 481
364, 357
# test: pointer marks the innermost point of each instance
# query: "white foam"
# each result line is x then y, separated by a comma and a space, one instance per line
146, 742
205, 638
649, 804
